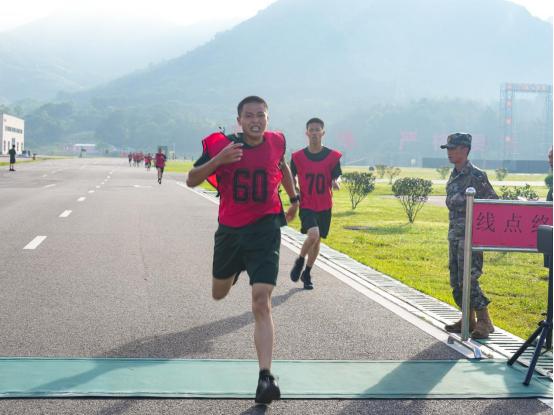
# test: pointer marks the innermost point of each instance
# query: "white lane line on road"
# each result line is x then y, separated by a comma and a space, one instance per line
35, 242
44, 175
91, 191
65, 213
98, 187
81, 199
49, 185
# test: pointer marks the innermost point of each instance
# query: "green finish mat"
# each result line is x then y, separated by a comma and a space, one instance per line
299, 379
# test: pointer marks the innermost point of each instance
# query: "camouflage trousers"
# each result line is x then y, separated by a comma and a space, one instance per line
478, 300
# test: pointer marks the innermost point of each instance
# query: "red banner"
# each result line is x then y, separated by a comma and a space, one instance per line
508, 225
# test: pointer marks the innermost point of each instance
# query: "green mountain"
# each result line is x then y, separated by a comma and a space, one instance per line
339, 60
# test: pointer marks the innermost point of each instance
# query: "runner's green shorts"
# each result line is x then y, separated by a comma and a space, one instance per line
312, 219
256, 251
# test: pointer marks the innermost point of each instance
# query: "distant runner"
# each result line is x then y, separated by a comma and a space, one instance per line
130, 156
247, 169
12, 152
318, 169
148, 161
160, 164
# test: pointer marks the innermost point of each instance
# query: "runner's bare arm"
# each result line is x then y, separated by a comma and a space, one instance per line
288, 184
230, 154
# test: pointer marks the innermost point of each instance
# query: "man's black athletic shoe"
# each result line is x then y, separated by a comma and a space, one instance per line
297, 269
306, 278
267, 390
159, 180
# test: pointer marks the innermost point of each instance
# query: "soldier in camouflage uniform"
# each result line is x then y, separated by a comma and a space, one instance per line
463, 176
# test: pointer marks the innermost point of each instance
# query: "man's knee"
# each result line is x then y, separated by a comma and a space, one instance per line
221, 287
218, 294
261, 301
313, 235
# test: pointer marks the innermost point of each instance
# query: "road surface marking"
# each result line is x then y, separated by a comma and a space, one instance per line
35, 242
82, 198
49, 185
91, 191
65, 214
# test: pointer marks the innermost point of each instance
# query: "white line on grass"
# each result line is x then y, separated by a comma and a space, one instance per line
65, 213
35, 242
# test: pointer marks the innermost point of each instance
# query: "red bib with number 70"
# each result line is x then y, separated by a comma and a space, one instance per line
315, 180
248, 188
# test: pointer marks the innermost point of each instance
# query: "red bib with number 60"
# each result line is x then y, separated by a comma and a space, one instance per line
248, 188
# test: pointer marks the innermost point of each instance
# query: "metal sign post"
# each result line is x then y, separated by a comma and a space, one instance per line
466, 290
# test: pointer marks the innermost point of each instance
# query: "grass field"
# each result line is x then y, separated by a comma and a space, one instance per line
417, 255
25, 160
432, 174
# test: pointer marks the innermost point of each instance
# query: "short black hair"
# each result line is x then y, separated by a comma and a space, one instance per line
250, 99
315, 120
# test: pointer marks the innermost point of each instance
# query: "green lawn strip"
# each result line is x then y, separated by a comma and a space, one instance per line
440, 189
25, 161
417, 255
432, 174
178, 166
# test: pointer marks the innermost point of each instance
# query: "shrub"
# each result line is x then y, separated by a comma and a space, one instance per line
380, 169
443, 171
501, 173
412, 192
392, 172
359, 186
518, 193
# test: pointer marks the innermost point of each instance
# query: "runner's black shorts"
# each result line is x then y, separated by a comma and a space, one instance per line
256, 252
161, 168
311, 219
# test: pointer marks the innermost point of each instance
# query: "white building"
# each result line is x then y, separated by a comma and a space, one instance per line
12, 132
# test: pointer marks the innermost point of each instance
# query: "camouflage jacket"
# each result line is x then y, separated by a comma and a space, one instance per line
470, 176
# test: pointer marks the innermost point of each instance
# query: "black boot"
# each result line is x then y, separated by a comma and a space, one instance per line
297, 269
306, 278
268, 389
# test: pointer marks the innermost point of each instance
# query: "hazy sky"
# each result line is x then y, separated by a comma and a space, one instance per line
17, 12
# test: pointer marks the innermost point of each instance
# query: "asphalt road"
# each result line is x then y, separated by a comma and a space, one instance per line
127, 273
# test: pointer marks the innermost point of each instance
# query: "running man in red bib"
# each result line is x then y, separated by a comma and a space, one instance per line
318, 169
160, 164
247, 169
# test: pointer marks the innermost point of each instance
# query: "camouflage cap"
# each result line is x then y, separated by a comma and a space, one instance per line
458, 139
